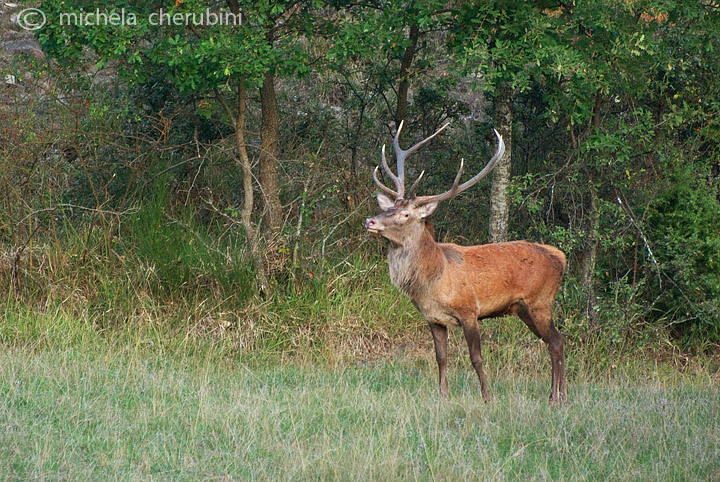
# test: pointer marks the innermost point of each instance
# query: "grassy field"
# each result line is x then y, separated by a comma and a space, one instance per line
103, 410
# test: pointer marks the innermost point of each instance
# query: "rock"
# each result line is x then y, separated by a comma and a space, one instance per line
24, 47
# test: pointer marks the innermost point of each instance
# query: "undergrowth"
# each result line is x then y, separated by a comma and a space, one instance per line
137, 349
172, 278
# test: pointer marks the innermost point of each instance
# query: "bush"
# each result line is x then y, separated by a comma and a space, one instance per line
685, 226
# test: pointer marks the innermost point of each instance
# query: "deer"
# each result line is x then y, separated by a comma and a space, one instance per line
453, 285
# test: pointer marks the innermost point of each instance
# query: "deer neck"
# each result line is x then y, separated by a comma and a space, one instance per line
416, 264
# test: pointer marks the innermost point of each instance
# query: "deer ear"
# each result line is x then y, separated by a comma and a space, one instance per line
384, 202
427, 209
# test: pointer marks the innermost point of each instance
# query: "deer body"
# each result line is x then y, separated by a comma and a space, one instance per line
442, 279
454, 285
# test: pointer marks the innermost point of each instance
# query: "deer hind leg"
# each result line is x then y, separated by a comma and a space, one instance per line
440, 337
539, 320
471, 330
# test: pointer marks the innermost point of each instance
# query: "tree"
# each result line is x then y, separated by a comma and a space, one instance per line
204, 61
614, 75
380, 53
283, 24
612, 83
498, 40
394, 30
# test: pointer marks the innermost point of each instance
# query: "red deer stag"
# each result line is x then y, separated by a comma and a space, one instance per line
455, 285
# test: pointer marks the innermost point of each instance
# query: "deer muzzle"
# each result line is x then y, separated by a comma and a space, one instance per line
372, 226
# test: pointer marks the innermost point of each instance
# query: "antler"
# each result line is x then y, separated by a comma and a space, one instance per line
400, 156
457, 189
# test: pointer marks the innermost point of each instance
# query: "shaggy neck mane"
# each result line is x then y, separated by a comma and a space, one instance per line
416, 263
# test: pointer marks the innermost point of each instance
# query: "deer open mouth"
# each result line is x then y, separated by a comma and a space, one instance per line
372, 226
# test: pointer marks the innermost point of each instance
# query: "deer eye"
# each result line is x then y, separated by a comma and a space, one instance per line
405, 215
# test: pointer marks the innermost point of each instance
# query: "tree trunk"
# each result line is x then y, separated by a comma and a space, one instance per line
499, 208
253, 240
589, 256
404, 84
268, 154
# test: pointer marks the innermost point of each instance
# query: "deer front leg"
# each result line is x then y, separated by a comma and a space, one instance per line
440, 337
472, 336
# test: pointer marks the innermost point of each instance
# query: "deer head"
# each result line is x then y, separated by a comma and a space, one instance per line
404, 217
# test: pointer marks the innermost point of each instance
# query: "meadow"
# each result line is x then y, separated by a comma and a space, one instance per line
76, 404
188, 292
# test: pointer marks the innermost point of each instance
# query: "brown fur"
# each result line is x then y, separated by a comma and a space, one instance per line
459, 285
454, 285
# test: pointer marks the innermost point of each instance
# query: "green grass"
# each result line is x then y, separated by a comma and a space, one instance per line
106, 376
123, 411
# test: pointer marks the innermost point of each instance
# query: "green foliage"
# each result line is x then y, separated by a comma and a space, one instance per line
195, 57
685, 221
502, 40
615, 147
183, 253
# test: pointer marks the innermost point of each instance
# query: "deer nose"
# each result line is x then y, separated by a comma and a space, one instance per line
369, 223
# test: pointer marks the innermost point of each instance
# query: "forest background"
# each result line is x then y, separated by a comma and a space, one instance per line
187, 291
212, 181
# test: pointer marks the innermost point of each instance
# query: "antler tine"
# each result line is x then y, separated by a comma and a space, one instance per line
415, 184
401, 154
397, 180
382, 186
417, 146
455, 189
